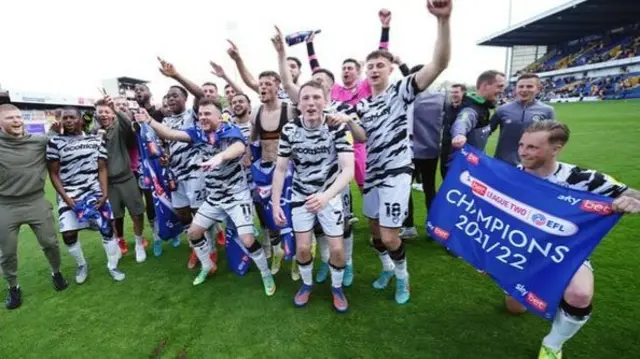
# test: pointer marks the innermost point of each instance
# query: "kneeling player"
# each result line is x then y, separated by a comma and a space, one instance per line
539, 147
78, 170
323, 167
228, 191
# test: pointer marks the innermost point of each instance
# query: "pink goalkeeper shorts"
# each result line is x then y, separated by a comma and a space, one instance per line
360, 155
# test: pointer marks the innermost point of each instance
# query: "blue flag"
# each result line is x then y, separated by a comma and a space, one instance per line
263, 176
160, 181
528, 234
238, 258
98, 218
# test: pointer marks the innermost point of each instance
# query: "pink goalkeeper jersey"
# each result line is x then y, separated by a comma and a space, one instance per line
351, 96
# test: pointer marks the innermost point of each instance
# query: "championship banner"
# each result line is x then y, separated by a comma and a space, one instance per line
528, 234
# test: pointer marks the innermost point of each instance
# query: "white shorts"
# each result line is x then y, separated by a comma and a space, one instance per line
239, 211
331, 218
190, 193
389, 201
68, 221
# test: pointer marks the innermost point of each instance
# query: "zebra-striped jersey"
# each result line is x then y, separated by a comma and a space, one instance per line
384, 118
227, 181
245, 128
574, 177
183, 158
78, 157
314, 152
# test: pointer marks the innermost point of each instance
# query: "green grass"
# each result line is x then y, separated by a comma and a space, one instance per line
454, 312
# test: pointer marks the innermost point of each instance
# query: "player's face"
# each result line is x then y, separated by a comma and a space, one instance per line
324, 80
311, 103
495, 90
378, 71
105, 115
121, 104
350, 73
268, 87
176, 100
535, 150
229, 93
239, 105
527, 89
456, 94
294, 69
71, 121
142, 93
12, 123
209, 116
210, 91
165, 107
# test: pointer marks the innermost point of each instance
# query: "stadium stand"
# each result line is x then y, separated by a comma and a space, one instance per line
582, 50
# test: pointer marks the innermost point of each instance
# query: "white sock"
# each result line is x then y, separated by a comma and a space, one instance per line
210, 238
348, 250
401, 269
76, 252
323, 244
138, 240
113, 253
387, 263
260, 260
306, 273
202, 252
564, 327
336, 276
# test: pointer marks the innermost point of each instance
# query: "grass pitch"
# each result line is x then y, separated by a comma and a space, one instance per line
454, 312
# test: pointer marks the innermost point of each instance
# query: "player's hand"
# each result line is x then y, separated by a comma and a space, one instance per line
212, 163
164, 161
101, 132
217, 70
440, 8
311, 37
278, 216
70, 202
626, 204
142, 116
397, 60
101, 201
233, 51
385, 17
56, 127
316, 202
246, 160
277, 41
337, 119
167, 68
109, 102
459, 141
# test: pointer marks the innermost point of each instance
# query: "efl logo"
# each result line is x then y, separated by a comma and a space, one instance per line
539, 219
478, 188
441, 233
536, 302
596, 207
473, 159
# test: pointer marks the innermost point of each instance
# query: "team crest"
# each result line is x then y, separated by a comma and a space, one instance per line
536, 118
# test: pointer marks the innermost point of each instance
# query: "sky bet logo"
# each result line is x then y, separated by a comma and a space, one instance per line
600, 208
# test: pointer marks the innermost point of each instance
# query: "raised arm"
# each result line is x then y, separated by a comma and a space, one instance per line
311, 53
441, 9
246, 76
219, 71
170, 71
385, 21
285, 75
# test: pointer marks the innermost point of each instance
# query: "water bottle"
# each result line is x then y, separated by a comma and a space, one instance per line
298, 37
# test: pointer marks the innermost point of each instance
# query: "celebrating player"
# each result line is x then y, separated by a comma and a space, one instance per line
228, 191
539, 148
389, 163
323, 168
78, 171
22, 176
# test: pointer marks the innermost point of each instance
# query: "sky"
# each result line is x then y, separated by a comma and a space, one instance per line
68, 47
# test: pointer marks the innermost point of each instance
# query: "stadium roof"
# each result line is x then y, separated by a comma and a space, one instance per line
131, 80
570, 21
